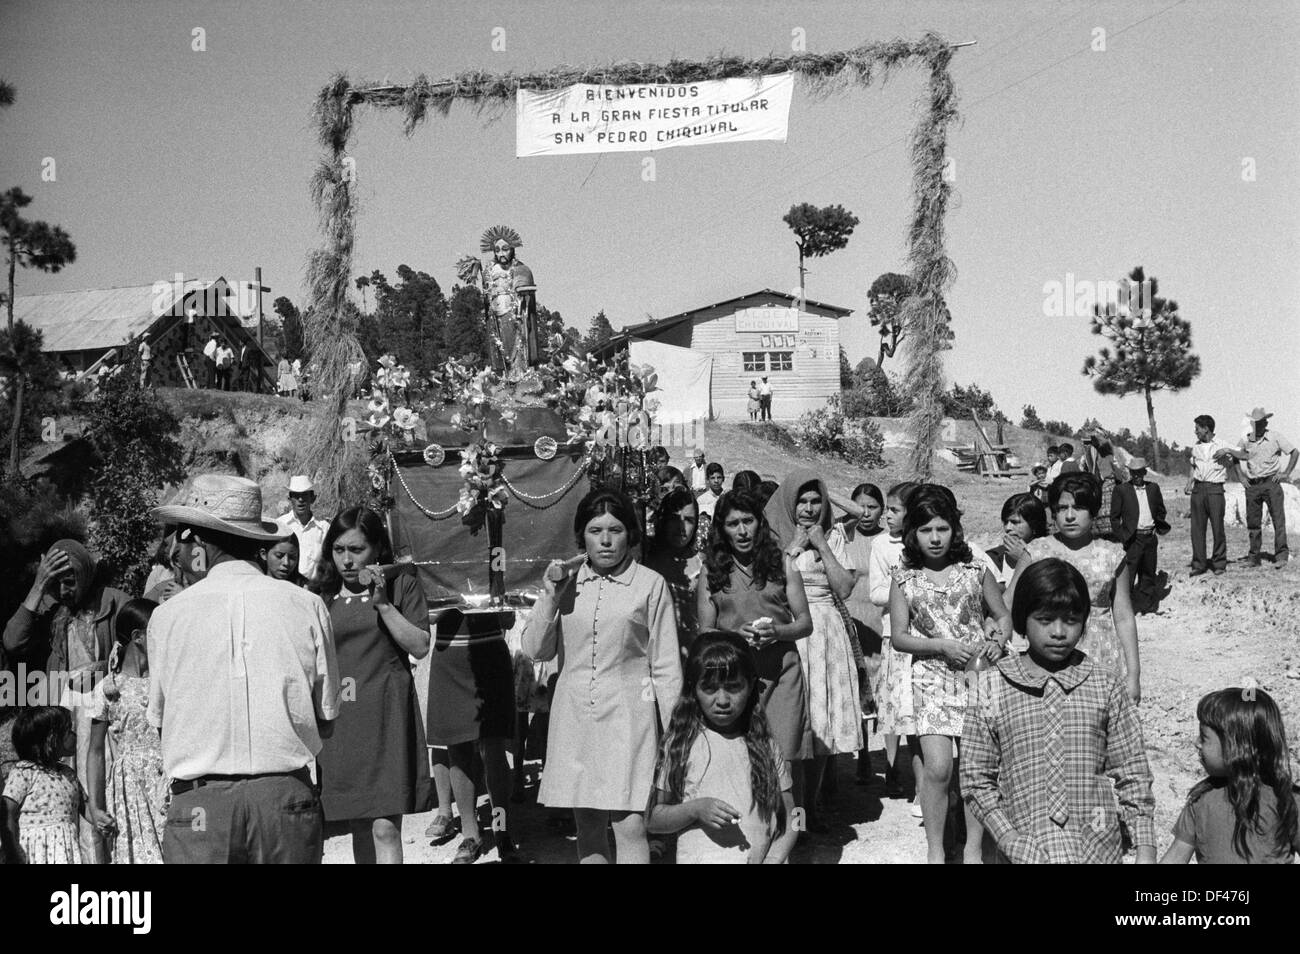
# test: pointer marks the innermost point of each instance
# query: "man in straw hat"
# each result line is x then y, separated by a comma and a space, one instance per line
1262, 467
1137, 513
303, 524
243, 686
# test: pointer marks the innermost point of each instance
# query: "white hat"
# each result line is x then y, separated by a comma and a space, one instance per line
300, 484
1137, 463
222, 502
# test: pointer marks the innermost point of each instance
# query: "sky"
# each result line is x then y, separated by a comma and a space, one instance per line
1175, 147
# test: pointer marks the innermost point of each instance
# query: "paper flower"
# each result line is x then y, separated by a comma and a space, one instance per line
378, 420
377, 405
405, 418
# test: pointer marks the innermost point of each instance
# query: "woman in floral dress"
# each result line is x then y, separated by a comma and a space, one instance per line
800, 515
126, 769
1111, 634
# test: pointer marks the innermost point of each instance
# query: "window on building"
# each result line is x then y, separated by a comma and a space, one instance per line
754, 360
780, 361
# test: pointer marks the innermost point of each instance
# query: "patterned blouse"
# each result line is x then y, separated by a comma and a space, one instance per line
1039, 753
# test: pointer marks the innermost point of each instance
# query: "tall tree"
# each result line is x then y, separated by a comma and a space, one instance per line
598, 332
846, 370
818, 232
886, 295
28, 244
412, 316
1152, 347
292, 338
467, 334
1029, 419
363, 282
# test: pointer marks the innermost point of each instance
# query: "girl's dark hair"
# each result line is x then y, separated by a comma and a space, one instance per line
133, 615
902, 491
871, 490
617, 505
765, 491
1053, 587
669, 473
1028, 508
768, 565
746, 480
1253, 736
669, 506
1083, 486
38, 734
715, 659
924, 504
327, 578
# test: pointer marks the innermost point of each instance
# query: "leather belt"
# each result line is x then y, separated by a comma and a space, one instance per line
1259, 480
181, 786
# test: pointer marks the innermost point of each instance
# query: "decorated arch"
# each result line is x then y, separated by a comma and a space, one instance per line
332, 327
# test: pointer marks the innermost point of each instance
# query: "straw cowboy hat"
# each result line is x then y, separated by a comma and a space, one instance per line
301, 484
1137, 463
1259, 414
224, 503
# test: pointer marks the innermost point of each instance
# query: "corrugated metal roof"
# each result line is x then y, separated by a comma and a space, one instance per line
108, 317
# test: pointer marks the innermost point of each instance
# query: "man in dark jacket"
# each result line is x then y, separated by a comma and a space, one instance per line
1137, 511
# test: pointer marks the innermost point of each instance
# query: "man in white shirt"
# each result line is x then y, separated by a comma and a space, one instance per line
696, 474
210, 360
1262, 459
302, 524
1205, 486
244, 684
765, 400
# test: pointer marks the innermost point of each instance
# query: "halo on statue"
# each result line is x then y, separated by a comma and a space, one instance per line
498, 233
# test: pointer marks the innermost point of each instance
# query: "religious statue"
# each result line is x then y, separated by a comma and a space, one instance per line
510, 301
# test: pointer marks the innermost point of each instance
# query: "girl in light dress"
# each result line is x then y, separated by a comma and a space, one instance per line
936, 613
126, 776
721, 781
43, 799
1111, 636
893, 687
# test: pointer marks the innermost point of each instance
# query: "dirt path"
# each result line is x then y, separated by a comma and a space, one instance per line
1209, 633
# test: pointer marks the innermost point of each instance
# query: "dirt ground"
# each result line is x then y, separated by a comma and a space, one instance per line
1207, 633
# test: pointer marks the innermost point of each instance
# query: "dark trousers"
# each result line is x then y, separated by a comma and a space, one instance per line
1140, 552
1207, 507
211, 367
267, 819
1266, 492
765, 407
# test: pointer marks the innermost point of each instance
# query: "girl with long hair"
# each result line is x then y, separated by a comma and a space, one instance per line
750, 587
673, 554
936, 613
1245, 810
721, 781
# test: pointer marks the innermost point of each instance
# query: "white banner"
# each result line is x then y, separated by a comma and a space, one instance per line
646, 116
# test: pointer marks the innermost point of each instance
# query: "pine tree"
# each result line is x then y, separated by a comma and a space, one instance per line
819, 232
1152, 348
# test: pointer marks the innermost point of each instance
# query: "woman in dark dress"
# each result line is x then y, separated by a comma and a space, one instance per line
374, 768
672, 553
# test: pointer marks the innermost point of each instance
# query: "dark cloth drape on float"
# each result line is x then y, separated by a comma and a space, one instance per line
449, 558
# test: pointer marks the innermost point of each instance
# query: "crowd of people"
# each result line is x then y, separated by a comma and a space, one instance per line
689, 682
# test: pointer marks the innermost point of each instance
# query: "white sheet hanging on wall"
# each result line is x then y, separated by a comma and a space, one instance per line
684, 380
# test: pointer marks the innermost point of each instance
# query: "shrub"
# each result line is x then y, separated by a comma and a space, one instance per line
135, 435
32, 516
827, 431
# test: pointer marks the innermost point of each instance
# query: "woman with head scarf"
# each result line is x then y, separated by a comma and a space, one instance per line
800, 515
66, 629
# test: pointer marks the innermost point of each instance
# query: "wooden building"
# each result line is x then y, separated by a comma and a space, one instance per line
82, 328
795, 343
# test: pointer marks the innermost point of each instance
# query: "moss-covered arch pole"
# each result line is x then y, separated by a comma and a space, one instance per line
331, 328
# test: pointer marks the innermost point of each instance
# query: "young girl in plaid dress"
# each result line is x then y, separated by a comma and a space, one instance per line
1053, 763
